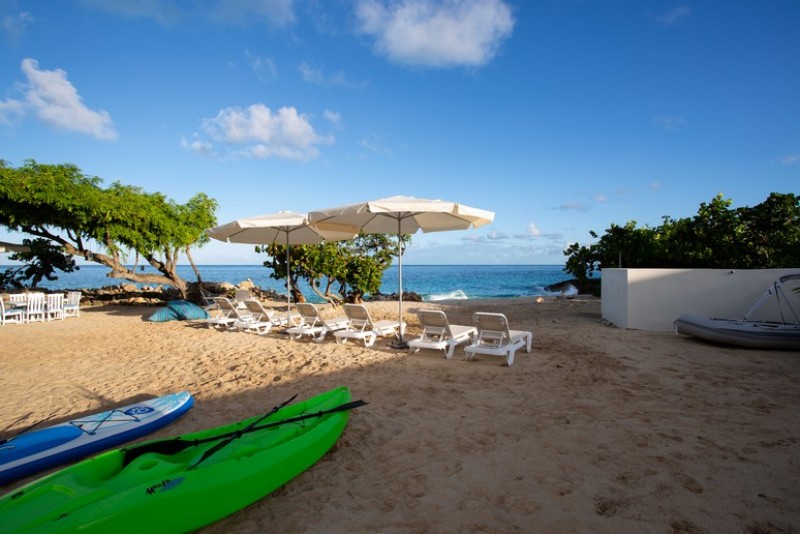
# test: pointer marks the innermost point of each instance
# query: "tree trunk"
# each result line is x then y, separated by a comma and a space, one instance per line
168, 277
194, 267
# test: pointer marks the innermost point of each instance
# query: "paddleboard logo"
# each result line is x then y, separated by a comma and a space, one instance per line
165, 485
138, 410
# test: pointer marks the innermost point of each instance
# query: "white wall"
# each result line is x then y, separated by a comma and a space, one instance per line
651, 299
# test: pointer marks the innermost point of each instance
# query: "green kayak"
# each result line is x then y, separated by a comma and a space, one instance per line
184, 483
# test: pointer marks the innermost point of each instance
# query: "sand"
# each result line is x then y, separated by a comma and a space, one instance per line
597, 430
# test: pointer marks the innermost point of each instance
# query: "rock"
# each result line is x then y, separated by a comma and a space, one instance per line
408, 296
247, 284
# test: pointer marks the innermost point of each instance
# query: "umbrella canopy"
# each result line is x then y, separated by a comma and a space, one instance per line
284, 227
13, 247
404, 215
400, 215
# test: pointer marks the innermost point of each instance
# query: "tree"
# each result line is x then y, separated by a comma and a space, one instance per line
355, 266
60, 204
41, 261
764, 236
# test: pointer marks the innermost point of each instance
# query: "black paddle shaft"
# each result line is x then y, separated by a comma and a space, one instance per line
176, 445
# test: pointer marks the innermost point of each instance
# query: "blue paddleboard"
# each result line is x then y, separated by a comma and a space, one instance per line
37, 450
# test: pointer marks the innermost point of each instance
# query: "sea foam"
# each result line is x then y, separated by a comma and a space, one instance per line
458, 294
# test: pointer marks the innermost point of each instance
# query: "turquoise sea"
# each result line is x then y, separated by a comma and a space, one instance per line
432, 282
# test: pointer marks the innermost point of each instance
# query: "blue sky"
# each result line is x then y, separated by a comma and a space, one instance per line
561, 116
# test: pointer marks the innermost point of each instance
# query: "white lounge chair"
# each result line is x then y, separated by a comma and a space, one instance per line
208, 301
72, 306
242, 295
256, 318
225, 315
313, 324
54, 306
439, 334
10, 314
361, 326
496, 339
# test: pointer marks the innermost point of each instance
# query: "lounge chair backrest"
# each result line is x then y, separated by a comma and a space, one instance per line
434, 321
225, 305
433, 318
492, 328
243, 294
257, 309
309, 312
358, 315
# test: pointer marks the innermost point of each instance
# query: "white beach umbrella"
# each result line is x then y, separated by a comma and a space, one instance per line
13, 247
400, 215
285, 227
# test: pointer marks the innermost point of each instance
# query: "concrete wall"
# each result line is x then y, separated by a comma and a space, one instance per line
651, 299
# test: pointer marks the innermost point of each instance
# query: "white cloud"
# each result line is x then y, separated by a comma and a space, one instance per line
14, 27
600, 198
274, 12
655, 185
790, 159
263, 67
574, 207
54, 100
11, 109
256, 131
375, 144
317, 77
198, 145
533, 230
672, 17
437, 33
161, 12
671, 124
491, 237
333, 117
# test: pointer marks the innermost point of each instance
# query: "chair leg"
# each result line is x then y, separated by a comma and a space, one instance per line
320, 337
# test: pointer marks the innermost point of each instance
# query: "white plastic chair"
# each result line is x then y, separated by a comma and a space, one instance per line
11, 315
54, 306
72, 306
35, 310
18, 298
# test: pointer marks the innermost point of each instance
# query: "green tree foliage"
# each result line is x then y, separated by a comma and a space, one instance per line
342, 271
60, 204
41, 261
765, 236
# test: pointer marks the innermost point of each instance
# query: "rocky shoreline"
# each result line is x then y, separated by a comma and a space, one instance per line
131, 295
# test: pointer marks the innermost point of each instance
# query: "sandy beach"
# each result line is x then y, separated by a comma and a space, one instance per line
597, 430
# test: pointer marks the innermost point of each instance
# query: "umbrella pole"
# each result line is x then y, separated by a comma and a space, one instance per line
400, 344
288, 285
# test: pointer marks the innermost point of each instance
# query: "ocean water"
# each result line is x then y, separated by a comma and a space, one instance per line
432, 282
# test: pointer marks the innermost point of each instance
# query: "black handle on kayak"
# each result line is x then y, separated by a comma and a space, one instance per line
226, 441
176, 445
